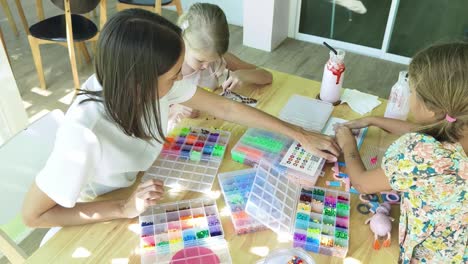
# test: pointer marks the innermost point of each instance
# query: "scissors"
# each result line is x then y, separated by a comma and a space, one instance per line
226, 91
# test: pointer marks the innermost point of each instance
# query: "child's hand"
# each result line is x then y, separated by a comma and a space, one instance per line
358, 123
320, 145
234, 81
147, 194
344, 136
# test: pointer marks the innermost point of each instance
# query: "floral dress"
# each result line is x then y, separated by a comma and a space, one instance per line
432, 177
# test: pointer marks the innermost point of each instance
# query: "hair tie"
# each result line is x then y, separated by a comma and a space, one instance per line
185, 25
450, 119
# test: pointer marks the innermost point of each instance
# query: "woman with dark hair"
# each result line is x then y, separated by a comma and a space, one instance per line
116, 125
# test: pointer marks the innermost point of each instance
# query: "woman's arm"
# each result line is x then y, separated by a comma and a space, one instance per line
365, 181
242, 72
393, 126
231, 111
41, 211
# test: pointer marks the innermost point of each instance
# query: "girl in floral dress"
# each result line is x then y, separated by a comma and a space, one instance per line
428, 164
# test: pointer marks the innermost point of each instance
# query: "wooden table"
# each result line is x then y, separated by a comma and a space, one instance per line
118, 241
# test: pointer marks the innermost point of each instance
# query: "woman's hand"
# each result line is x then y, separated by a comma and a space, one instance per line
344, 136
147, 194
182, 111
177, 112
320, 145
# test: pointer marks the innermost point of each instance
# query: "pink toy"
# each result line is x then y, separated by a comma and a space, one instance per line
381, 225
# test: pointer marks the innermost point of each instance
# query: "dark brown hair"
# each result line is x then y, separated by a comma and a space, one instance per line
134, 48
439, 76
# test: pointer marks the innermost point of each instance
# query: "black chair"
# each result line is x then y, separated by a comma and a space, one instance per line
67, 30
150, 5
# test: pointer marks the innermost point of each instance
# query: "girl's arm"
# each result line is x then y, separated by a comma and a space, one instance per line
242, 72
41, 211
393, 126
248, 116
365, 181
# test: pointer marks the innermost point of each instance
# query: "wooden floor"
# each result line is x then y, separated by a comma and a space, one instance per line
295, 57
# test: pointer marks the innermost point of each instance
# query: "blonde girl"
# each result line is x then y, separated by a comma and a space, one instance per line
207, 63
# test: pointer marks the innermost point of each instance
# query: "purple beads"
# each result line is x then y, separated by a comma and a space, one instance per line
300, 237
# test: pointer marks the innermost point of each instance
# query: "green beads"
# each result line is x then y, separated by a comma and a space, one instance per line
319, 192
329, 211
264, 143
184, 131
163, 244
341, 234
195, 155
313, 232
218, 150
203, 234
238, 156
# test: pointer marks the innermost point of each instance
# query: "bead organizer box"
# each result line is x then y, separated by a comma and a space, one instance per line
190, 159
272, 200
183, 232
257, 144
317, 219
322, 222
236, 187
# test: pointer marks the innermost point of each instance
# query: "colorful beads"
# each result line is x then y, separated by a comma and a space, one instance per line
329, 211
203, 234
302, 216
218, 151
295, 260
319, 192
146, 223
305, 198
326, 241
304, 207
184, 131
195, 155
163, 244
341, 234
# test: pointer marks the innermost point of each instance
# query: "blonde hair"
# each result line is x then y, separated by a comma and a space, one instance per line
439, 76
205, 28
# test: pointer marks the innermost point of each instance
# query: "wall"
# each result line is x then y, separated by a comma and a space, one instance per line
13, 118
232, 8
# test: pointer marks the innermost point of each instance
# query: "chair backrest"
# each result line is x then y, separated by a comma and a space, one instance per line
78, 6
21, 158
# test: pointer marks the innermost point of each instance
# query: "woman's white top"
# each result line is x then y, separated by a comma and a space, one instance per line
92, 155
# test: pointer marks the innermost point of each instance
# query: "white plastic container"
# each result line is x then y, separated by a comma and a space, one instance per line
333, 75
398, 102
310, 114
282, 256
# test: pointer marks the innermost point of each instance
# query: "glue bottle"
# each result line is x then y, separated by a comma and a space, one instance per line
333, 75
398, 102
